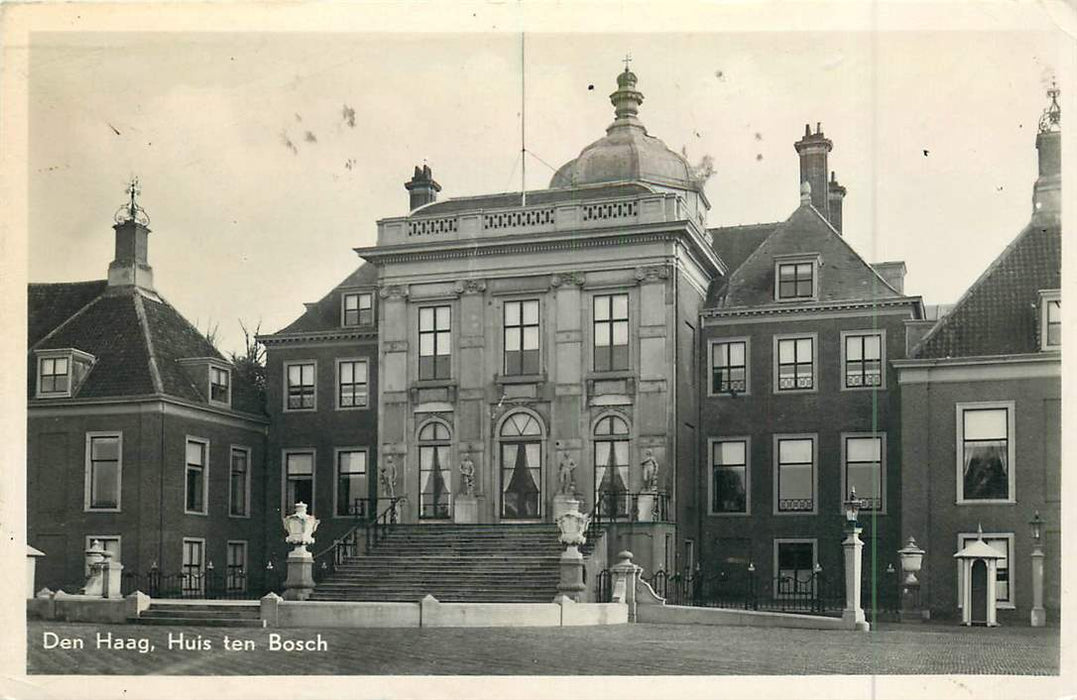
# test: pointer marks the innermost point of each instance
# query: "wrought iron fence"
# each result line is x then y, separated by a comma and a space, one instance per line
208, 583
624, 507
603, 586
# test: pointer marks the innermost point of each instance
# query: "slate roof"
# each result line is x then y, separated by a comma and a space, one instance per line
999, 314
324, 314
512, 199
132, 337
844, 275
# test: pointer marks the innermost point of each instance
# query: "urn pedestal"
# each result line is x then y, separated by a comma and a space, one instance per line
466, 509
564, 503
300, 581
645, 505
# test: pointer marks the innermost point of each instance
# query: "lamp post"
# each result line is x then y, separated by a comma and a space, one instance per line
853, 614
1038, 617
912, 558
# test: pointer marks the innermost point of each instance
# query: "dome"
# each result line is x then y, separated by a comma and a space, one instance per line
626, 152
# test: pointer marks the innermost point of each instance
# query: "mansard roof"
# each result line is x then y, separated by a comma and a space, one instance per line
999, 314
136, 339
843, 274
324, 314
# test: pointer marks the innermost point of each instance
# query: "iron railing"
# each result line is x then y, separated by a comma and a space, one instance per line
377, 529
208, 583
625, 507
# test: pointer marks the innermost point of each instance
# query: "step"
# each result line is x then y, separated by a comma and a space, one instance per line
253, 614
197, 622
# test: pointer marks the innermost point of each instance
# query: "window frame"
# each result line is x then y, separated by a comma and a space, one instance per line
711, 444
202, 567
205, 474
314, 384
87, 503
776, 474
1011, 450
813, 541
245, 569
627, 320
437, 444
520, 328
435, 331
366, 403
70, 374
358, 309
232, 449
778, 338
1048, 297
336, 476
881, 332
711, 345
882, 470
284, 505
963, 540
798, 259
118, 539
227, 371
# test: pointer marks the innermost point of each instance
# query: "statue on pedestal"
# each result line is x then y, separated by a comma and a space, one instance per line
388, 477
566, 475
467, 475
650, 471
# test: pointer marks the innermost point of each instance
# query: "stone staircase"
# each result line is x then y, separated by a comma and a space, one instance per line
453, 563
218, 613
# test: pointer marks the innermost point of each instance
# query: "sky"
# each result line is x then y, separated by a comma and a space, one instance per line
265, 158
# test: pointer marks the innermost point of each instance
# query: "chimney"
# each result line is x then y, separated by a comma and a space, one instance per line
835, 194
131, 264
1047, 192
893, 272
813, 150
422, 188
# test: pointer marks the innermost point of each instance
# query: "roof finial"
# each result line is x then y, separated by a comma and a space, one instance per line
1052, 116
979, 532
132, 211
627, 59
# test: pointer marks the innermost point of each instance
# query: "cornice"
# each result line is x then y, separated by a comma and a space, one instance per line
789, 310
370, 334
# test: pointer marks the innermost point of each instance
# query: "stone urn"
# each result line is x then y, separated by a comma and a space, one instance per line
300, 527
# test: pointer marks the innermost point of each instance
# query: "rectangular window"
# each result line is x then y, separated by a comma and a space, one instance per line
796, 364
611, 332
110, 543
1003, 543
358, 309
194, 565
352, 381
54, 375
796, 474
299, 380
197, 458
985, 454
863, 360
352, 489
1052, 323
298, 481
236, 566
729, 476
103, 468
239, 482
863, 469
794, 568
796, 280
729, 367
219, 383
521, 323
435, 342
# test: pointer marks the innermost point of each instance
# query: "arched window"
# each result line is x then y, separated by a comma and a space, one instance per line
435, 478
521, 466
611, 466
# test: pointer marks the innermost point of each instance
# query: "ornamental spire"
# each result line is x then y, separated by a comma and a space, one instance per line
626, 99
1051, 118
132, 210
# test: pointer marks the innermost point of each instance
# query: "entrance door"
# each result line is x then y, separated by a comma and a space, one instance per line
435, 480
979, 592
521, 467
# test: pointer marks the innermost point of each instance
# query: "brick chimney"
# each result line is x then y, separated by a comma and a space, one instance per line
131, 264
835, 195
422, 188
813, 150
893, 272
1047, 192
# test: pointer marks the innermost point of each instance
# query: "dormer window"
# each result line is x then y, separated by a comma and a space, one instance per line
220, 385
357, 309
796, 278
1050, 319
59, 372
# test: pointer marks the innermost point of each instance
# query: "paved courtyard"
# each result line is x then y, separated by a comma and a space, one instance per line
638, 649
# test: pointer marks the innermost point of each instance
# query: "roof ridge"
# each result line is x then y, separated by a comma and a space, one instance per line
68, 320
781, 225
155, 373
853, 250
963, 299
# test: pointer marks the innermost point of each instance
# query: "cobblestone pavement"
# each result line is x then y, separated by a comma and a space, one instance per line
639, 649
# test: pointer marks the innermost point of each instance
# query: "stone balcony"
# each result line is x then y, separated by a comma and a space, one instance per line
469, 223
